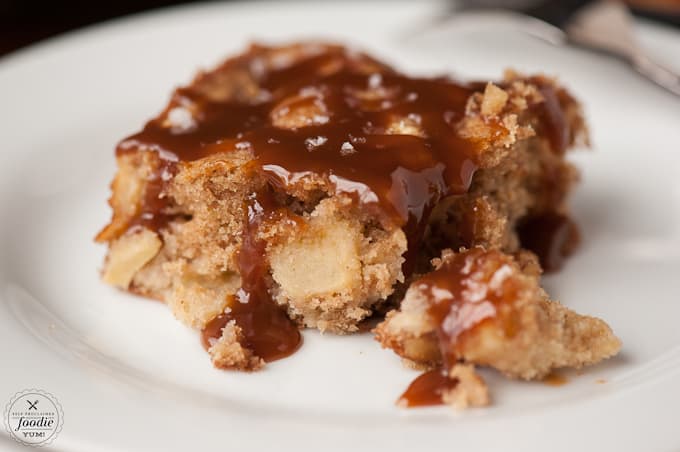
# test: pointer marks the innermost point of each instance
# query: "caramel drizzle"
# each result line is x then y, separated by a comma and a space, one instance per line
465, 291
427, 389
399, 176
265, 327
552, 237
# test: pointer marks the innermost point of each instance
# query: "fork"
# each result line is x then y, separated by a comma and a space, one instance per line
601, 25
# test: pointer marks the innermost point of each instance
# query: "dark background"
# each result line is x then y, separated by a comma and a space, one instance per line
25, 21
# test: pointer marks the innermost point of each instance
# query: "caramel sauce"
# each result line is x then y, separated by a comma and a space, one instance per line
427, 389
553, 122
466, 290
213, 330
404, 176
267, 330
151, 214
555, 379
552, 237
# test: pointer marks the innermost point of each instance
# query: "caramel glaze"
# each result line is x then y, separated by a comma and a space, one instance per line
552, 237
265, 327
427, 389
553, 124
468, 289
400, 178
152, 213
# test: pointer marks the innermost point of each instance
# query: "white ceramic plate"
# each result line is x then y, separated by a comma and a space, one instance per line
130, 377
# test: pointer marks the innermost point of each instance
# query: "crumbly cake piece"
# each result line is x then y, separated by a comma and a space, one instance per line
487, 308
316, 180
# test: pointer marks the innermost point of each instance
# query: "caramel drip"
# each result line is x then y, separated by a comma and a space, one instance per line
427, 389
555, 379
465, 291
552, 237
553, 121
265, 327
152, 212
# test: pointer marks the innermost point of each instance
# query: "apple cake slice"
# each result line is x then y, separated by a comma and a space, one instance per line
306, 185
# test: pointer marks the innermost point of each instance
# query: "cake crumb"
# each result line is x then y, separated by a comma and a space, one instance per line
494, 100
471, 390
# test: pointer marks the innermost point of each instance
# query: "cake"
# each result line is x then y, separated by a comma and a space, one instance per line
313, 186
487, 308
